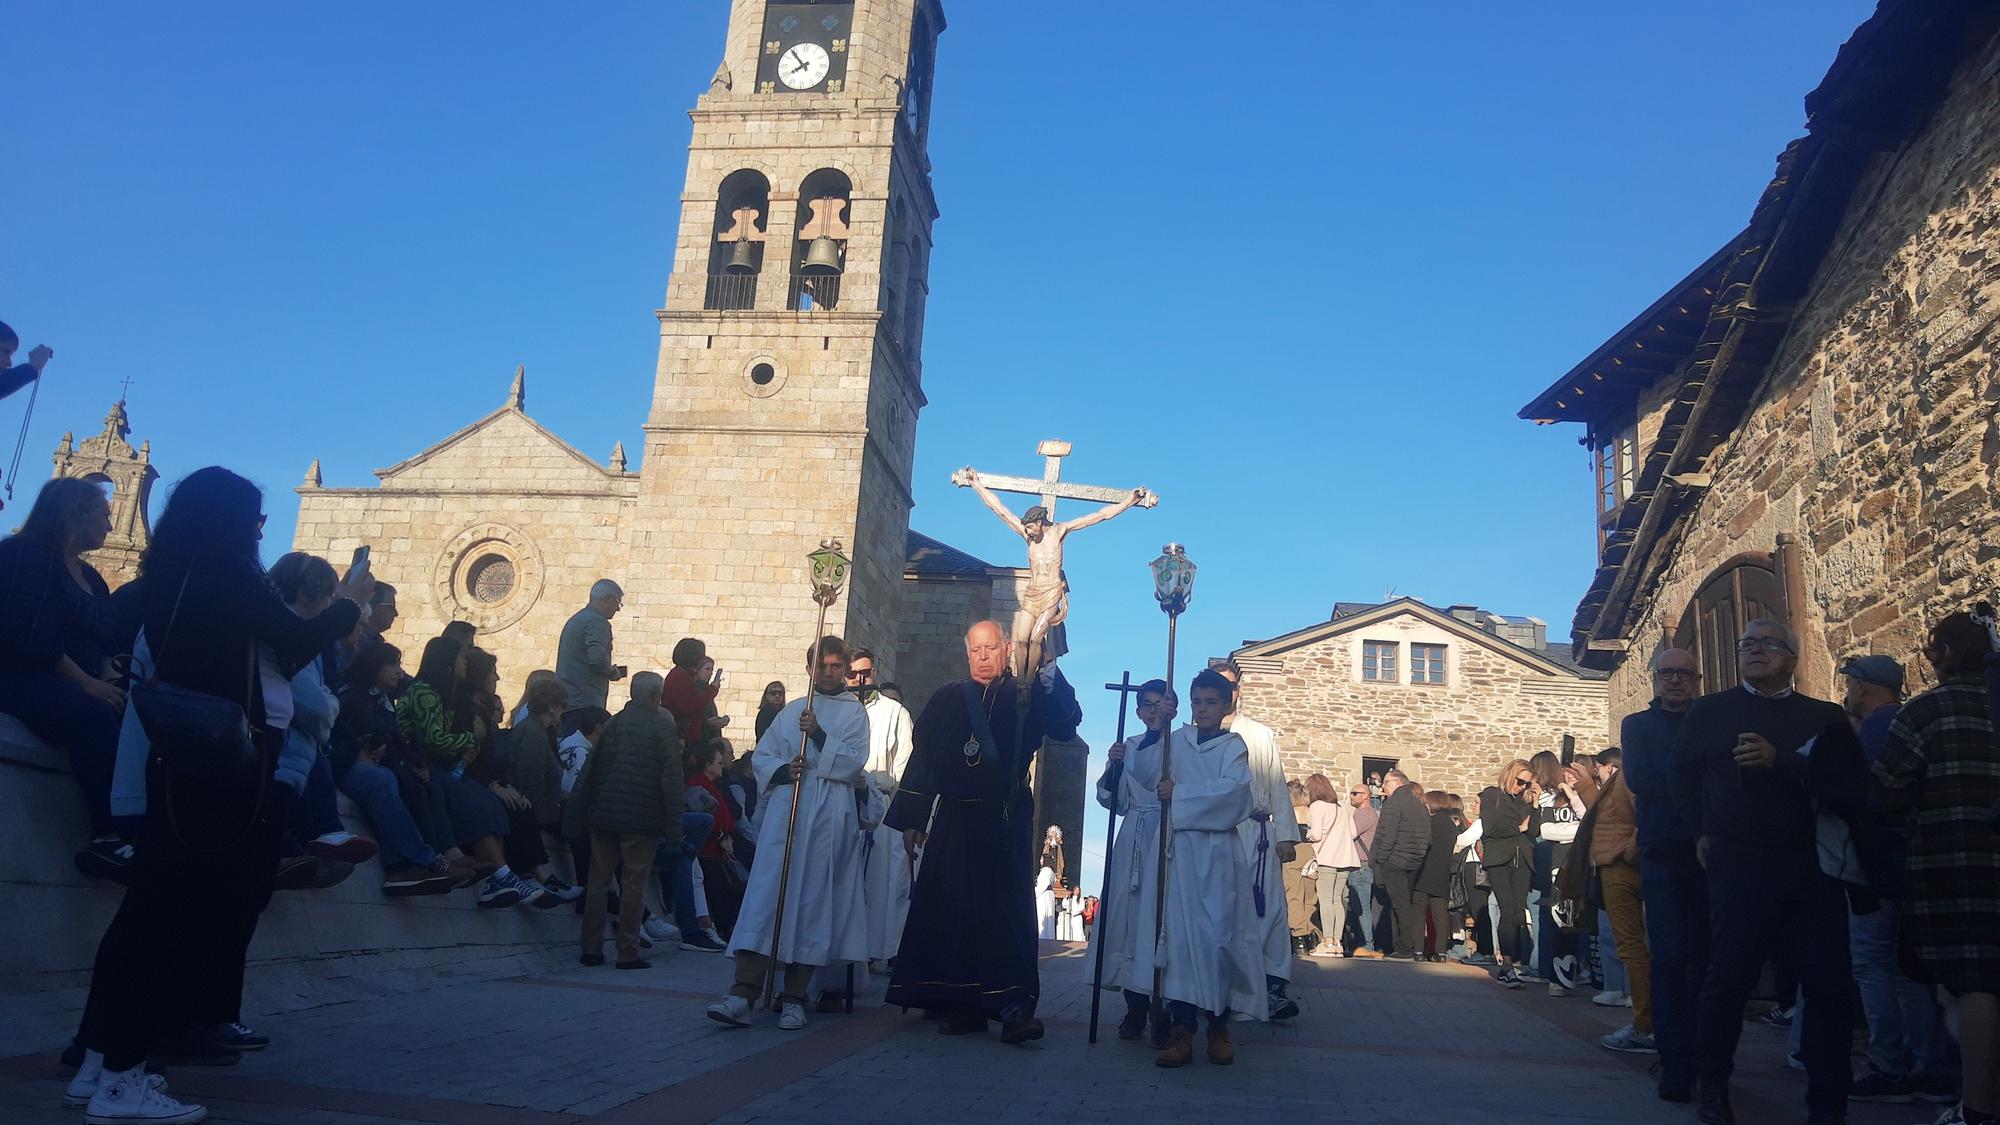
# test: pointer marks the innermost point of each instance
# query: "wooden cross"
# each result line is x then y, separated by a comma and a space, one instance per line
1051, 487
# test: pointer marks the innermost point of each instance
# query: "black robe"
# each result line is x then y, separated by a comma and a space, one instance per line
970, 941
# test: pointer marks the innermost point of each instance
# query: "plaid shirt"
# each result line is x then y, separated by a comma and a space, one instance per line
1942, 766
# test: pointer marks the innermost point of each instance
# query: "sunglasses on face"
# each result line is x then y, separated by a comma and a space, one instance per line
1762, 644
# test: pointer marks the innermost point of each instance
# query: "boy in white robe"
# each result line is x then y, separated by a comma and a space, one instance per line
1270, 839
825, 913
1212, 947
1125, 914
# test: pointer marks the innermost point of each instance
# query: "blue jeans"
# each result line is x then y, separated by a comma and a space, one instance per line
376, 790
1903, 1019
1607, 956
676, 869
1362, 882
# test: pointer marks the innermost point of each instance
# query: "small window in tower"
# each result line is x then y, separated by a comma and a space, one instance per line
762, 374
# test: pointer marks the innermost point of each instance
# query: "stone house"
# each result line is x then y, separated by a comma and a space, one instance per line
1804, 427
1449, 695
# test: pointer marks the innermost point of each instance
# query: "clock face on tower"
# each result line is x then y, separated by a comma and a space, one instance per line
805, 47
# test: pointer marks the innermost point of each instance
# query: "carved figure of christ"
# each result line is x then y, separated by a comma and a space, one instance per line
1037, 632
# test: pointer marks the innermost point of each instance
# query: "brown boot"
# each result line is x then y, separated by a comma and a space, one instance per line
1180, 1048
1221, 1051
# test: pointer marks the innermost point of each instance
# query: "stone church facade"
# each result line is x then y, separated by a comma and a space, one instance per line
1448, 696
1804, 427
785, 404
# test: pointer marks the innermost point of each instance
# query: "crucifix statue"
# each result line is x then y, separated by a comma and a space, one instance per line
1038, 634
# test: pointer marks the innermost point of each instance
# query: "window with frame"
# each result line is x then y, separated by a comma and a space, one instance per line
1427, 664
1615, 449
1378, 662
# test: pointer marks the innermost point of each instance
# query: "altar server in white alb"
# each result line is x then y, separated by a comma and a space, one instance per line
1213, 945
1270, 839
1125, 914
886, 873
825, 913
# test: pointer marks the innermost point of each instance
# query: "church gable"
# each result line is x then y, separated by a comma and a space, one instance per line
506, 449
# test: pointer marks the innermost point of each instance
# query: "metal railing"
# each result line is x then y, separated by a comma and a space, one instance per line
731, 291
810, 292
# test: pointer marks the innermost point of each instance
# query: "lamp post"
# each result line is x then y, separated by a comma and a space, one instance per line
1173, 587
829, 574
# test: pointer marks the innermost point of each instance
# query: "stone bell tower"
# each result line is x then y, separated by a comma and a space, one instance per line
790, 371
109, 458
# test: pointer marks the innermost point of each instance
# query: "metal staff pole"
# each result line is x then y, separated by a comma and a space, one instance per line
829, 573
1173, 586
1113, 777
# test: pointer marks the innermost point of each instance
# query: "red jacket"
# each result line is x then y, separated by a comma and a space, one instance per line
689, 702
725, 821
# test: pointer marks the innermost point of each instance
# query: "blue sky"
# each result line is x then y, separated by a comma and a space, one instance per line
1295, 273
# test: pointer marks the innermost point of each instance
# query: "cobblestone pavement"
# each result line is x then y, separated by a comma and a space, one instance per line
1378, 1042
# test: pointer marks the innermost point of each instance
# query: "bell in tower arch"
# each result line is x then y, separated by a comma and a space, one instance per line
822, 257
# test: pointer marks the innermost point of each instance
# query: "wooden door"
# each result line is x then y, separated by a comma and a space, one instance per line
1740, 591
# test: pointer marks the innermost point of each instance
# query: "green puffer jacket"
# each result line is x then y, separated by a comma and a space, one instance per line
633, 783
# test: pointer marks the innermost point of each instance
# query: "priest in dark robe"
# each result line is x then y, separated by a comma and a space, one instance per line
969, 949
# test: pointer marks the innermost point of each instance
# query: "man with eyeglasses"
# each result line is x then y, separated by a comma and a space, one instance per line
1672, 886
1740, 779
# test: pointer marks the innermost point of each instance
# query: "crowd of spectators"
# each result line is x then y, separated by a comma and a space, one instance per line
1840, 859
458, 793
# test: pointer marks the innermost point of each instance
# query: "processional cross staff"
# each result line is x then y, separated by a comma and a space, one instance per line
829, 573
1173, 587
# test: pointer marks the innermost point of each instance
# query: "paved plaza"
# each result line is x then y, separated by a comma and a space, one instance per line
1378, 1042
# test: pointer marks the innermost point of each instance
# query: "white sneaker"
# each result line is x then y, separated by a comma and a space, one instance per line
131, 1096
661, 930
793, 1018
1557, 990
90, 1074
1609, 999
733, 1011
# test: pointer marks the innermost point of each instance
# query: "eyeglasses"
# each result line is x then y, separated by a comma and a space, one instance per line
1523, 782
1677, 673
1762, 644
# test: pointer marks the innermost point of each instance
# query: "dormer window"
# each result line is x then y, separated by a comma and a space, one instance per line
1615, 449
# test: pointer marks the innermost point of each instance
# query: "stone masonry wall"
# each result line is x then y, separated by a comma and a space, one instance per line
1875, 439
1454, 737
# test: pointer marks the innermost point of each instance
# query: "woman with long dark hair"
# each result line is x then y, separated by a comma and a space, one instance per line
1433, 882
367, 754
1506, 808
768, 706
57, 653
172, 960
478, 820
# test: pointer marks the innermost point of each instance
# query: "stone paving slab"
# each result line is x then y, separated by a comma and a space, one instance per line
1377, 1042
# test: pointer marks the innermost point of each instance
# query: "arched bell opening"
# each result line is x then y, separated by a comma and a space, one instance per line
819, 255
736, 246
